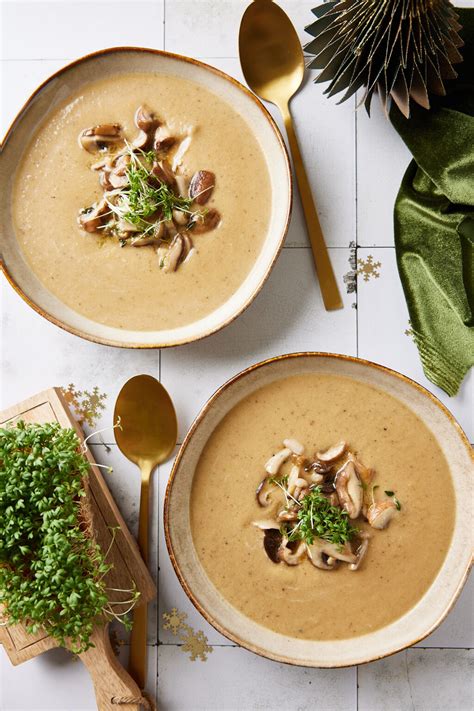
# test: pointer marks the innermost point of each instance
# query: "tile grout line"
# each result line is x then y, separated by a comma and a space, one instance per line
356, 232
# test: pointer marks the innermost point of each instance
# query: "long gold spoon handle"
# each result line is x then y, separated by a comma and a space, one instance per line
327, 280
137, 663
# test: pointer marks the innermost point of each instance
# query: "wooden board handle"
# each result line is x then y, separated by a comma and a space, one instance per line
114, 688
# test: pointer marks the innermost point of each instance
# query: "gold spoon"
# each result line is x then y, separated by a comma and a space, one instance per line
147, 435
273, 65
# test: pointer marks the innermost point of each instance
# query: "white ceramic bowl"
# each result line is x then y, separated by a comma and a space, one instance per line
408, 629
108, 63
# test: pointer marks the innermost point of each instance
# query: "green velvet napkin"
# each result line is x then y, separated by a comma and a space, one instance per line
434, 224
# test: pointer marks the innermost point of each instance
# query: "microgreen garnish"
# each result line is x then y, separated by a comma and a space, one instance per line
51, 570
318, 519
395, 500
145, 195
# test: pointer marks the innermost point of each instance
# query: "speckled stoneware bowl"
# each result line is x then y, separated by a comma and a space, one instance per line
407, 630
108, 63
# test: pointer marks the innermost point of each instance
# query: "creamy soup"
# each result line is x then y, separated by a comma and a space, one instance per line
124, 287
303, 601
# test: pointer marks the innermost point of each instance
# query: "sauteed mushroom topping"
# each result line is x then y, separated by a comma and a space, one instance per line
379, 515
148, 198
101, 138
349, 490
314, 503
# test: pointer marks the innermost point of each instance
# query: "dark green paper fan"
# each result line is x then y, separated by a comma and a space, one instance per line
401, 49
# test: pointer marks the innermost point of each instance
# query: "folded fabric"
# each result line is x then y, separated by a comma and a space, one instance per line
434, 224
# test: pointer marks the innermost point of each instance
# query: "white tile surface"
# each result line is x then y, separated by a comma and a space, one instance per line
419, 680
233, 679
37, 355
287, 316
382, 159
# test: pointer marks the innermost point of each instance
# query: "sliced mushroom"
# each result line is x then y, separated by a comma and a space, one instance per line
117, 181
104, 180
301, 492
180, 217
205, 222
379, 515
173, 254
98, 138
349, 490
179, 155
266, 524
320, 548
312, 477
181, 185
162, 170
121, 163
333, 499
145, 119
144, 240
295, 446
104, 164
273, 465
144, 141
288, 515
124, 226
293, 477
187, 244
361, 551
272, 542
333, 453
318, 467
201, 186
264, 489
291, 557
91, 219
163, 140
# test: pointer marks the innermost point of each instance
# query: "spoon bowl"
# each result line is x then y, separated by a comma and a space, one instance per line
146, 435
148, 427
274, 73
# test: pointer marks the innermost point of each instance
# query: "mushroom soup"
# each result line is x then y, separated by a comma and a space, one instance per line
162, 164
312, 591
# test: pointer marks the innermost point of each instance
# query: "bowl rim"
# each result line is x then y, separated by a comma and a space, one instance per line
256, 649
289, 176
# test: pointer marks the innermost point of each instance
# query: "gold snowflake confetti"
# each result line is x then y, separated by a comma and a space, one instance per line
174, 620
86, 405
368, 268
195, 643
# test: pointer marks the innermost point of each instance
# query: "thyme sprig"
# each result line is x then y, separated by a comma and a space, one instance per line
52, 573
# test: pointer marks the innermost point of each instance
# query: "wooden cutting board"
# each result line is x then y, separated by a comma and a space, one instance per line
114, 688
